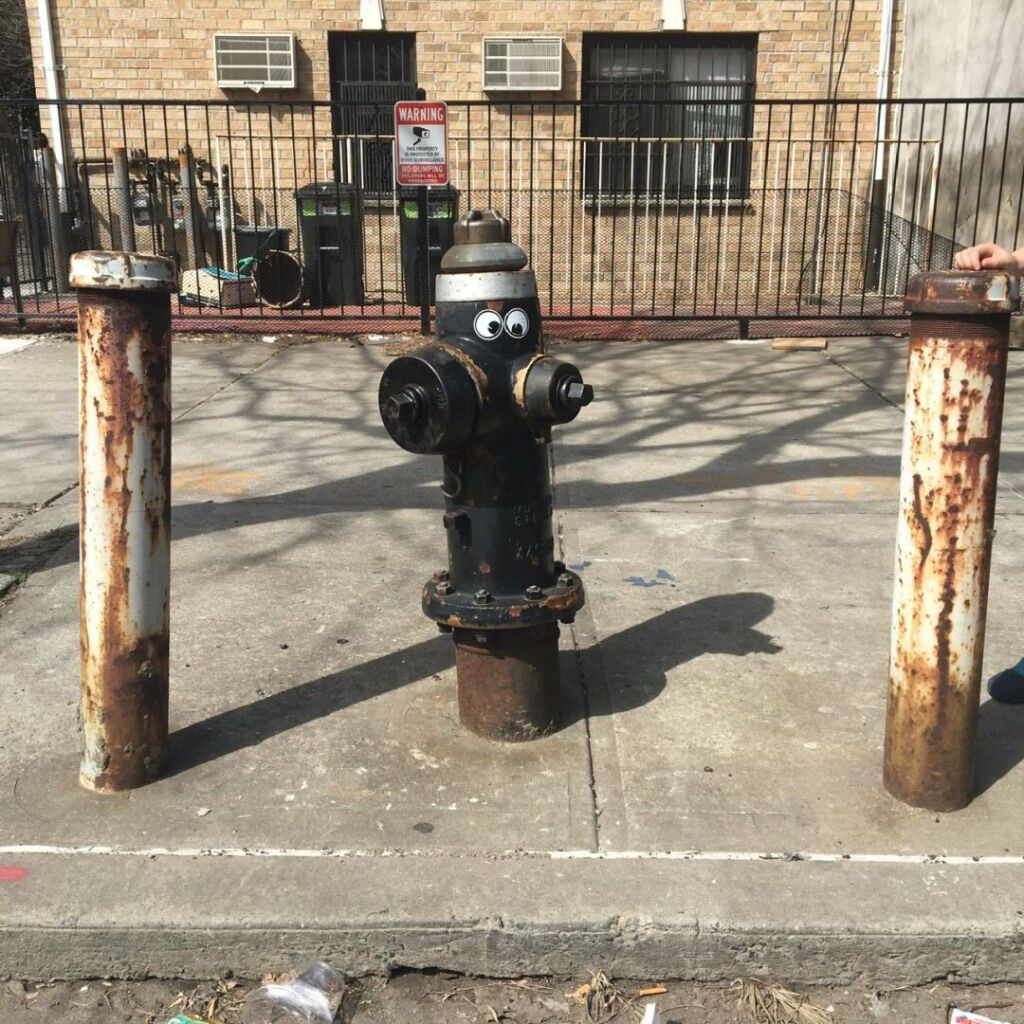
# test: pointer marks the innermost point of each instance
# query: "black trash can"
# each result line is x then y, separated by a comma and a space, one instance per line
331, 230
442, 213
252, 241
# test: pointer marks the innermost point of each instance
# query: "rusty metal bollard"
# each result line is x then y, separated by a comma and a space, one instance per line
124, 337
954, 406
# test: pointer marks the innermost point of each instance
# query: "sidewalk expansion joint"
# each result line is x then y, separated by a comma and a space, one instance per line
885, 398
698, 856
60, 494
595, 810
273, 354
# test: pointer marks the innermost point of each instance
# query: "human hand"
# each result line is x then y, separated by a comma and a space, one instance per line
987, 256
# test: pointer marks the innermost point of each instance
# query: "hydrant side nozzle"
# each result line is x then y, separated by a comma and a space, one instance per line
554, 392
428, 402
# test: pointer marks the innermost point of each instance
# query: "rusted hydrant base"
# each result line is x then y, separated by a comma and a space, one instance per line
508, 682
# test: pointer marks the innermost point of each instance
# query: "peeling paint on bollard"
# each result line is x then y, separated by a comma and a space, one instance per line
954, 402
125, 466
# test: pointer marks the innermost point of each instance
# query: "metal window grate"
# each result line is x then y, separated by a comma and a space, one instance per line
254, 60
693, 90
520, 64
370, 71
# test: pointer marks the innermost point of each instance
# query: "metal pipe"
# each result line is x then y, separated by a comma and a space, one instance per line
673, 15
124, 334
956, 375
49, 54
872, 269
884, 72
227, 218
193, 236
123, 197
58, 247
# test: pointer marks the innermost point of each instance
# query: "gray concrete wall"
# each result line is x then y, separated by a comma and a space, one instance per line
962, 49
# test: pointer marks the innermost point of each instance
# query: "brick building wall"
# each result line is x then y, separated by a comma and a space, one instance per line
620, 255
138, 49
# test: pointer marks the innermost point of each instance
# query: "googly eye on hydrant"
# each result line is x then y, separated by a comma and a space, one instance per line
487, 324
517, 323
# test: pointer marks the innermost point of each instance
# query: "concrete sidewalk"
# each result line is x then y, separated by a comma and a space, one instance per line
712, 806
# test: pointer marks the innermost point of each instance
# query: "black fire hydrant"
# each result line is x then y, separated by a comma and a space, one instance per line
485, 397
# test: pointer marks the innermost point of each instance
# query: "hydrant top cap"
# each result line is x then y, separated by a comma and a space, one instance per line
978, 292
481, 244
475, 227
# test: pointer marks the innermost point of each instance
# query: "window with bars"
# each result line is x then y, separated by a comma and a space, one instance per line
668, 114
370, 72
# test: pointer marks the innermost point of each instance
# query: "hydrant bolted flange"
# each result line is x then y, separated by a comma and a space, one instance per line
485, 396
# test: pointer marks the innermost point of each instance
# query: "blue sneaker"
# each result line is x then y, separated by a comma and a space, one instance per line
1007, 686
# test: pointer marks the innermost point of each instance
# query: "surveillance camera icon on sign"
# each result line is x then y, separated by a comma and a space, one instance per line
421, 134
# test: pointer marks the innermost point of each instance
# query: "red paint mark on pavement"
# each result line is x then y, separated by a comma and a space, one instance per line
12, 874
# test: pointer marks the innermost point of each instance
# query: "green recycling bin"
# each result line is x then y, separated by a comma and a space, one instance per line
329, 215
442, 213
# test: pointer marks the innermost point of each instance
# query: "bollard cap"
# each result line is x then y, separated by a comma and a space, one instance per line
122, 271
977, 292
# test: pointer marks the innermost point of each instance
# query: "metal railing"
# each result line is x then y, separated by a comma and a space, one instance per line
812, 214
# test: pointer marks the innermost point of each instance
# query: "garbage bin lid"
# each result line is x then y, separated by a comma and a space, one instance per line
329, 189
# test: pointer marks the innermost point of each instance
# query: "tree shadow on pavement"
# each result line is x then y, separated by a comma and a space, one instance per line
1000, 746
758, 411
722, 624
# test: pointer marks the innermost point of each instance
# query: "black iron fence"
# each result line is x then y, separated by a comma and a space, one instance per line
726, 209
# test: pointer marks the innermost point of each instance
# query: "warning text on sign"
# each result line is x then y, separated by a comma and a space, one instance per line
421, 143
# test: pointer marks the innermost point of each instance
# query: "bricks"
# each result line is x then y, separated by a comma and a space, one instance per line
792, 46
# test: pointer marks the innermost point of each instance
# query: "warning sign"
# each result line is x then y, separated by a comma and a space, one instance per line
421, 143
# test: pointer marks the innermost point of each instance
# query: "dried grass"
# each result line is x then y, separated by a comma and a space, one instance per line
767, 1003
603, 1002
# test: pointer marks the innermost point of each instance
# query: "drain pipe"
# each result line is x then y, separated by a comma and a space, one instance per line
872, 270
53, 93
884, 70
